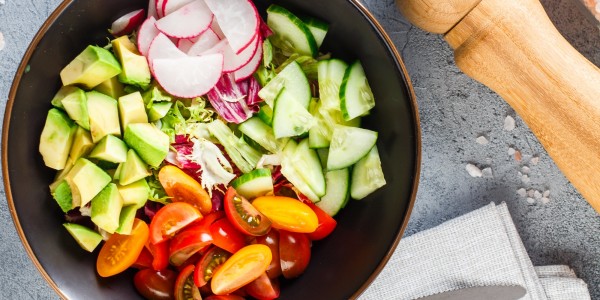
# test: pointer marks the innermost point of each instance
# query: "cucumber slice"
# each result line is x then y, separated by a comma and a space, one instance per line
331, 76
288, 170
295, 82
290, 118
355, 93
349, 145
325, 119
256, 183
367, 175
337, 193
261, 133
290, 34
318, 29
308, 165
266, 114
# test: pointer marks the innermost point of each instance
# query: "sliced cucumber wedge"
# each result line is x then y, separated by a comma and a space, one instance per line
337, 192
262, 134
290, 33
318, 29
349, 145
266, 114
307, 163
325, 119
331, 76
295, 82
290, 172
256, 183
355, 93
367, 175
290, 118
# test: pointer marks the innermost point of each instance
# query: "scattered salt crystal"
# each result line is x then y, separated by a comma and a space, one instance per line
525, 179
545, 200
522, 192
537, 195
546, 194
482, 140
525, 170
518, 156
509, 123
530, 193
474, 171
520, 174
511, 151
535, 160
2, 2
2, 43
487, 173
530, 200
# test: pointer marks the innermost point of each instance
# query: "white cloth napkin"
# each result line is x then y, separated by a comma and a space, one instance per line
480, 248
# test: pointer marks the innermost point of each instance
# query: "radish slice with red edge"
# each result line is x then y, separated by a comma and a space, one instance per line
173, 5
233, 61
162, 47
152, 9
185, 44
204, 42
217, 29
239, 21
251, 67
146, 35
160, 8
128, 23
187, 22
190, 76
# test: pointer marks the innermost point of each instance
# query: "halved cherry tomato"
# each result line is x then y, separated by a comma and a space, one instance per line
294, 253
170, 219
187, 242
160, 254
224, 297
326, 223
205, 268
244, 216
287, 213
241, 268
155, 285
271, 240
263, 288
184, 285
207, 220
144, 260
183, 188
121, 251
225, 236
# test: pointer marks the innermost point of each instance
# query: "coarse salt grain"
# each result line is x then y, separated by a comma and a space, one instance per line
473, 170
522, 192
545, 200
530, 200
2, 43
511, 151
537, 195
2, 2
487, 173
509, 123
535, 160
525, 179
546, 194
482, 140
525, 170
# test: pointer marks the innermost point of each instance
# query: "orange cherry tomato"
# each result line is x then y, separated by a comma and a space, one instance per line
241, 268
170, 219
121, 251
287, 213
183, 188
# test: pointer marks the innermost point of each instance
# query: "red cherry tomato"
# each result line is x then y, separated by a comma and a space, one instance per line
160, 255
225, 297
326, 223
184, 285
144, 261
294, 253
244, 216
206, 266
155, 285
170, 219
263, 288
207, 220
271, 240
187, 242
226, 236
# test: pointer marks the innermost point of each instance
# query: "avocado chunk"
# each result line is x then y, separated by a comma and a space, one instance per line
106, 208
62, 93
111, 149
60, 175
104, 118
117, 174
126, 219
82, 144
85, 237
111, 87
158, 110
75, 104
132, 110
86, 180
62, 195
56, 139
90, 68
135, 194
133, 169
135, 66
149, 142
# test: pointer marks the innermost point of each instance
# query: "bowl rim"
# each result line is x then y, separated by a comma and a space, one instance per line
60, 9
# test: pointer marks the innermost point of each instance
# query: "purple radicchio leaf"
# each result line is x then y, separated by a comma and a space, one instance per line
231, 99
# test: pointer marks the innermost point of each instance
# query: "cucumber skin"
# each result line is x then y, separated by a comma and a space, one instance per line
344, 86
312, 44
333, 205
250, 176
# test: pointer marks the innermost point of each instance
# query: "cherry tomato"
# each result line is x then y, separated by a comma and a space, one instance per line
206, 266
187, 242
225, 236
155, 285
144, 260
224, 297
271, 240
184, 285
170, 219
326, 223
263, 288
121, 251
294, 253
207, 220
244, 216
287, 213
183, 188
160, 254
241, 268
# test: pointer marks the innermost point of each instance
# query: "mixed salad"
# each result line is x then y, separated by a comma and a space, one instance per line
208, 148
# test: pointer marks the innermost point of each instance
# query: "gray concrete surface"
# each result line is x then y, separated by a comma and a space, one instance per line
454, 110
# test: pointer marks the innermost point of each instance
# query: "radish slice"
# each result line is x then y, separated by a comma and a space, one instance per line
146, 35
233, 61
251, 67
238, 19
162, 47
160, 8
128, 23
190, 76
185, 44
205, 42
152, 9
217, 29
187, 22
173, 5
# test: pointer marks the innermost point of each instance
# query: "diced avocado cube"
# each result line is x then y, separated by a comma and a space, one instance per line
149, 142
106, 208
126, 219
132, 110
62, 195
135, 193
75, 104
133, 169
104, 118
85, 237
111, 87
56, 139
86, 180
60, 175
62, 93
135, 66
117, 173
82, 144
158, 110
156, 94
91, 67
111, 149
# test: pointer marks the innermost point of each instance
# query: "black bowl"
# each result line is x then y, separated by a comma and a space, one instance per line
342, 265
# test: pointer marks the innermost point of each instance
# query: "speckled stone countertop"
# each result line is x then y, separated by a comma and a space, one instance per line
454, 110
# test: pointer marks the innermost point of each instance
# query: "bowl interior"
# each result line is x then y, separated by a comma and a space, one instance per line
341, 266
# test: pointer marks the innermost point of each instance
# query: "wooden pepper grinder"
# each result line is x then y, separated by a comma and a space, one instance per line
512, 47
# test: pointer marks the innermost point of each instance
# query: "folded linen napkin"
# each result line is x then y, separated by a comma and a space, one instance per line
480, 248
